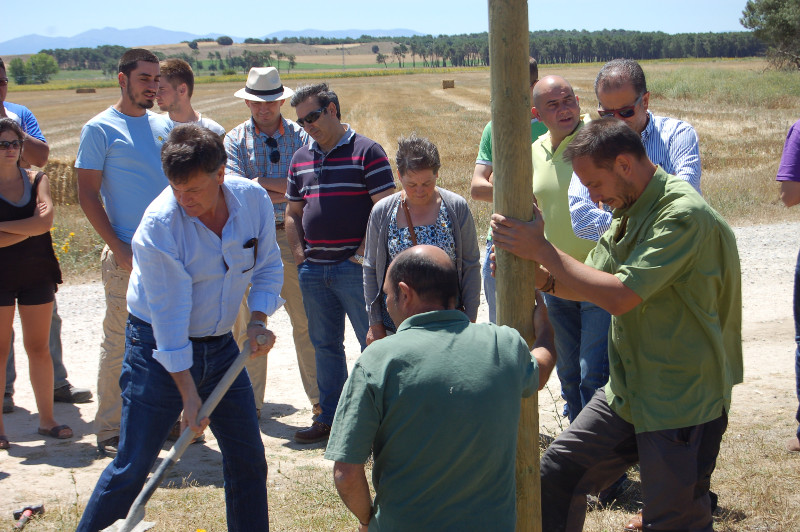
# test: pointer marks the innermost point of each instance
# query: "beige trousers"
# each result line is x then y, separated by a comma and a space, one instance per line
306, 360
112, 348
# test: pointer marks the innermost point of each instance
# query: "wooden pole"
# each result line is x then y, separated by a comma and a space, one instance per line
513, 196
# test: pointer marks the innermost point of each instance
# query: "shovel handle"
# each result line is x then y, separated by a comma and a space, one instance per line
187, 436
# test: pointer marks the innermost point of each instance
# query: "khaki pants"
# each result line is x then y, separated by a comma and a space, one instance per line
306, 359
112, 348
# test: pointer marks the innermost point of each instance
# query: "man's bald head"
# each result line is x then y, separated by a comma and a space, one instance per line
555, 104
429, 272
547, 84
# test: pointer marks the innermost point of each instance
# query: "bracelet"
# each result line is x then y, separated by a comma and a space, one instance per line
258, 323
549, 285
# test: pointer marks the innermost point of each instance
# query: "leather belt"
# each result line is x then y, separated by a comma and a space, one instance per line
205, 339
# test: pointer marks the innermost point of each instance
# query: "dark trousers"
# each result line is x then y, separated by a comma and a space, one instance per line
599, 446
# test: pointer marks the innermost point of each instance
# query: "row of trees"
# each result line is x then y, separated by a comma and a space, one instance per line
561, 46
557, 46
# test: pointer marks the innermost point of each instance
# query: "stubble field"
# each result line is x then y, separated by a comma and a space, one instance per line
741, 114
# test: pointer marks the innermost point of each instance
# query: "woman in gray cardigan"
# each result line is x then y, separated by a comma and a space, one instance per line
438, 217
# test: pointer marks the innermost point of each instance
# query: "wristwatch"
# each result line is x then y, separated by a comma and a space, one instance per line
359, 258
257, 323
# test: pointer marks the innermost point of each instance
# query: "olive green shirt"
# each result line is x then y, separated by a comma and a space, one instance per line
674, 358
551, 177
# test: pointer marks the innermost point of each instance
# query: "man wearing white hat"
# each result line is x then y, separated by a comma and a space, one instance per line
261, 149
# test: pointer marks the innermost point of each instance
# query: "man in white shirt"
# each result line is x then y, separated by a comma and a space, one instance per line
199, 245
174, 95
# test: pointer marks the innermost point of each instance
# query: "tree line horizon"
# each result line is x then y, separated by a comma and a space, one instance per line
547, 46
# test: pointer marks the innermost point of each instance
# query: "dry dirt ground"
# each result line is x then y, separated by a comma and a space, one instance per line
38, 469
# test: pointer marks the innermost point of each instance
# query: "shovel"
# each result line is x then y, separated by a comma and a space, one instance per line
133, 522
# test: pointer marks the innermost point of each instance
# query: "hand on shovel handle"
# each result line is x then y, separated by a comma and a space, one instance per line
264, 343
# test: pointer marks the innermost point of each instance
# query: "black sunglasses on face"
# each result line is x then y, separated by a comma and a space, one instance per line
274, 155
311, 117
623, 112
8, 144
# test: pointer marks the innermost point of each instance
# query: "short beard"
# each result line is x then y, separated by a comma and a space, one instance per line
147, 104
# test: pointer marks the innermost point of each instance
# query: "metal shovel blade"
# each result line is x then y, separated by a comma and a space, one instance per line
120, 526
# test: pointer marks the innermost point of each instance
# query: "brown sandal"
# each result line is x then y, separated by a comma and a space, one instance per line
4, 444
60, 432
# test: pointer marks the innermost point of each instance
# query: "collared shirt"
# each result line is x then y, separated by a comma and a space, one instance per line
669, 143
188, 282
248, 153
336, 189
551, 177
436, 372
675, 357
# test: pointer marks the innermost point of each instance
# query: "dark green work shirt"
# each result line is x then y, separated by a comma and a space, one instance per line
438, 403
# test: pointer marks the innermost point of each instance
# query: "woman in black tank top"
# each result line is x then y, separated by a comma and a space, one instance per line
29, 272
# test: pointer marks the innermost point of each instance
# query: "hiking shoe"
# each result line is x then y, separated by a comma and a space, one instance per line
70, 394
313, 434
8, 403
108, 447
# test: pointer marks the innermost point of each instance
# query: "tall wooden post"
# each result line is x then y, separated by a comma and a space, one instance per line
513, 196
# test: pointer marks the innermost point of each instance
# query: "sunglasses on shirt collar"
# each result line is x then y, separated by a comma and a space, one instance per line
623, 112
274, 155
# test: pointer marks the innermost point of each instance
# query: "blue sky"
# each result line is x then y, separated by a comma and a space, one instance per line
58, 18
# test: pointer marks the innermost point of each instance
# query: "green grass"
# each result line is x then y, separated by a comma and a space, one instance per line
743, 89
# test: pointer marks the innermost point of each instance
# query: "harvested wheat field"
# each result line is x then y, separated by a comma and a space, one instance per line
757, 481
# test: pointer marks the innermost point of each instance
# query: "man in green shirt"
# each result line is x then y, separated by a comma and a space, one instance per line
437, 404
668, 271
581, 327
482, 186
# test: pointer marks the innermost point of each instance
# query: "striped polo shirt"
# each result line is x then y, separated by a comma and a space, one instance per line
336, 188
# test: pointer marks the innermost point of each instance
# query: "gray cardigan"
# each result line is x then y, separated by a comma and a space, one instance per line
376, 252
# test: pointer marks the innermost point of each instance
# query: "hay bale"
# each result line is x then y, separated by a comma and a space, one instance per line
448, 84
63, 181
85, 90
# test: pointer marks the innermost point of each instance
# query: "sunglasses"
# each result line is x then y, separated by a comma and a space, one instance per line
9, 144
274, 155
311, 117
623, 112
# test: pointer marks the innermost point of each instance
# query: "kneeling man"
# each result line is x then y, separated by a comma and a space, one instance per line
199, 245
438, 405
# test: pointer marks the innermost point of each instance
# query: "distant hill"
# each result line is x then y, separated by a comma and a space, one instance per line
150, 35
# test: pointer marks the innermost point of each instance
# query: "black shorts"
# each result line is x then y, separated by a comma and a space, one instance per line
38, 294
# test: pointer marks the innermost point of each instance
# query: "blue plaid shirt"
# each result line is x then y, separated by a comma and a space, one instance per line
669, 143
249, 155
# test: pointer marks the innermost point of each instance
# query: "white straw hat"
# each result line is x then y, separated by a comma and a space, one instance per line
264, 85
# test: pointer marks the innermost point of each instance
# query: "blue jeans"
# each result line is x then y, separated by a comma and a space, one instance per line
489, 284
59, 371
329, 292
581, 338
150, 405
797, 338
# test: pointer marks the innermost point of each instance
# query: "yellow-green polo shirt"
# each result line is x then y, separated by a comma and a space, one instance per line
551, 177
